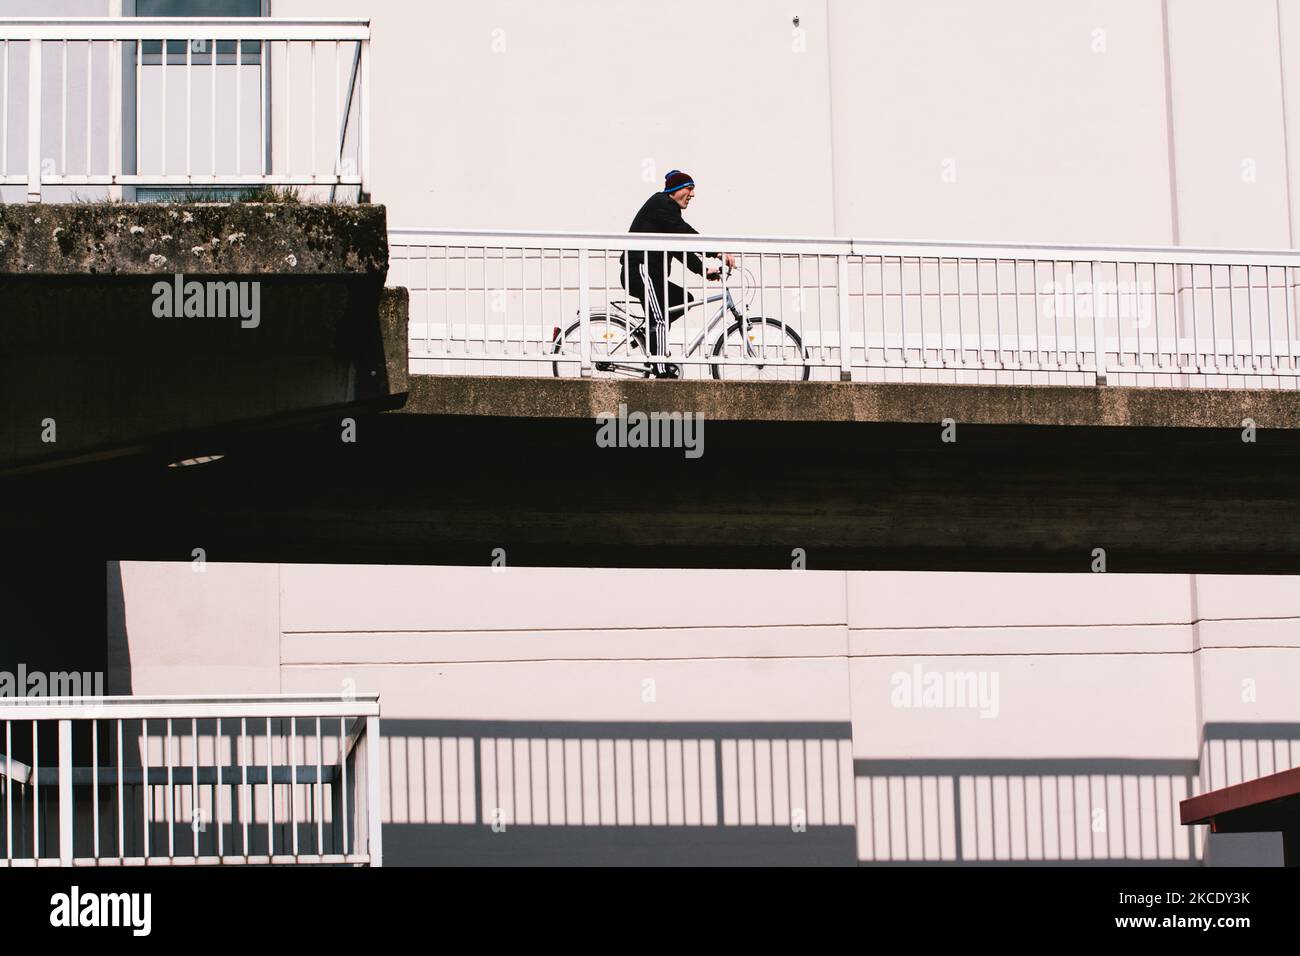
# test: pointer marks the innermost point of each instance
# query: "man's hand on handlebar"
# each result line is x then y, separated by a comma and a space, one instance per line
715, 274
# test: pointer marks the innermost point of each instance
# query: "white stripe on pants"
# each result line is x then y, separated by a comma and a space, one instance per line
659, 334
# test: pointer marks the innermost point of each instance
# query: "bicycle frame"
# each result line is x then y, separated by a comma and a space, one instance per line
729, 305
677, 311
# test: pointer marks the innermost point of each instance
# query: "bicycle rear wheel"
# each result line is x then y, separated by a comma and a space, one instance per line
760, 349
617, 350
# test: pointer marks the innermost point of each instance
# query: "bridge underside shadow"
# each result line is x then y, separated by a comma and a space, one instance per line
437, 489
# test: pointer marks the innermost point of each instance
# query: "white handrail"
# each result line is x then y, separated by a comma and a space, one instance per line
176, 28
614, 240
176, 706
15, 770
229, 758
908, 248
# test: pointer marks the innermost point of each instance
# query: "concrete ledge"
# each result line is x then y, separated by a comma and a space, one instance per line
394, 312
158, 239
903, 403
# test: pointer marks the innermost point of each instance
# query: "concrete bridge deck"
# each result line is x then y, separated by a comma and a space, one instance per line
895, 403
471, 466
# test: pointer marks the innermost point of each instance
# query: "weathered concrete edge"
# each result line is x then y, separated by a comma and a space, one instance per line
146, 239
856, 402
394, 318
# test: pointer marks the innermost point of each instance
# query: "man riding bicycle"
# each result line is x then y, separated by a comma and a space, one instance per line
644, 274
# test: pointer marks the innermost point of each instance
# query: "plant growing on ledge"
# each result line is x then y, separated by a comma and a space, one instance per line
252, 194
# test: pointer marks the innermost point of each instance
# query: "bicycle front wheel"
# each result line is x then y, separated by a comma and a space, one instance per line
617, 351
760, 350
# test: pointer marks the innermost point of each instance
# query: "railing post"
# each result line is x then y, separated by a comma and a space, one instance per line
1098, 327
374, 825
115, 90
65, 792
842, 300
34, 120
364, 119
584, 312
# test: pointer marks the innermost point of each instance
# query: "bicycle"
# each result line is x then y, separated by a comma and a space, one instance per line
618, 346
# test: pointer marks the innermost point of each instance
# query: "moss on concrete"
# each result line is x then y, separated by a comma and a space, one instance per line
194, 238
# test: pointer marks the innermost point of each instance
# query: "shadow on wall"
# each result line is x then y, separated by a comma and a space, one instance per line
51, 627
526, 792
1070, 810
473, 792
119, 643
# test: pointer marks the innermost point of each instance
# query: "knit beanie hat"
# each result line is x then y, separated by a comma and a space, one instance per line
675, 180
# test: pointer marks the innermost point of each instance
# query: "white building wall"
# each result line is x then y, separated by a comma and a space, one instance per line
514, 115
1228, 123
938, 120
765, 698
1008, 121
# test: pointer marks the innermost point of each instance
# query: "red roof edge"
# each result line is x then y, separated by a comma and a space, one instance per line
1204, 808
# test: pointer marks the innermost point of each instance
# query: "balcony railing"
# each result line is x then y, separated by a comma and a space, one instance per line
499, 302
136, 781
184, 102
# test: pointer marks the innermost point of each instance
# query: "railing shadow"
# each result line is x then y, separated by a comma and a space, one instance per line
1069, 811
484, 792
480, 792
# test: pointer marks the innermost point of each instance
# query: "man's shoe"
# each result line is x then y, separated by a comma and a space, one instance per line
671, 371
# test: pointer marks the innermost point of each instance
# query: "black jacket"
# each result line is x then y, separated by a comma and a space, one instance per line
659, 214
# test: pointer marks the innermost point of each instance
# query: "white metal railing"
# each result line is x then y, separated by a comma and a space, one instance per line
184, 102
136, 781
496, 302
